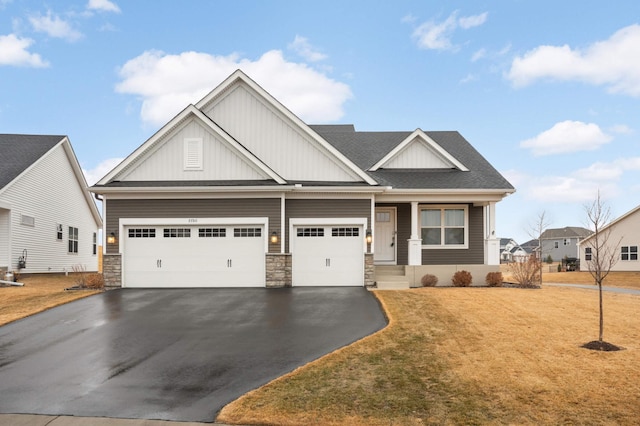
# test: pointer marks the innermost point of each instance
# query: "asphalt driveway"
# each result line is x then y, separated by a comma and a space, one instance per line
172, 354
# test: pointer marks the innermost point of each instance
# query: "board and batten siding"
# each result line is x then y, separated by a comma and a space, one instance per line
474, 255
219, 162
327, 208
49, 192
275, 139
193, 208
417, 156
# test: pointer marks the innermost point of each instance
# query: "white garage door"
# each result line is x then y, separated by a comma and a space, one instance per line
194, 256
327, 256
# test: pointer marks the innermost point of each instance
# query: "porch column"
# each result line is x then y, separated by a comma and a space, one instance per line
492, 242
415, 242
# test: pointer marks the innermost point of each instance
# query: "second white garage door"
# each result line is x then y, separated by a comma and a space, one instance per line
194, 256
327, 255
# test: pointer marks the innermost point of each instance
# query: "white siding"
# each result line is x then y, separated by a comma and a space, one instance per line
4, 237
275, 139
627, 233
167, 161
50, 193
417, 155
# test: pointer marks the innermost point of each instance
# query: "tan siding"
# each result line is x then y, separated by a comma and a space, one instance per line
326, 208
117, 209
474, 255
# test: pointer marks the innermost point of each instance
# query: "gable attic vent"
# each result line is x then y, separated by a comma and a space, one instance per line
193, 154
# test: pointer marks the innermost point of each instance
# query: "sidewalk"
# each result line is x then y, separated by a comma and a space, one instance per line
39, 420
595, 287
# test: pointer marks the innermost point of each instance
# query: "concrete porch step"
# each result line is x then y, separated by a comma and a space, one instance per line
392, 285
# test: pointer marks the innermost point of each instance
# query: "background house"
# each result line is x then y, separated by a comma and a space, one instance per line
238, 191
562, 242
511, 250
48, 220
623, 239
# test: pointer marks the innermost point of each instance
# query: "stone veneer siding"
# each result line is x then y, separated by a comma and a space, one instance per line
112, 271
278, 268
369, 270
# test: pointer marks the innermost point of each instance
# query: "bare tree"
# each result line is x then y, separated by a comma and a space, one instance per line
540, 224
600, 254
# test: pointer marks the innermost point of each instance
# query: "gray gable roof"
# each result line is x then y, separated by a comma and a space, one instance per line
21, 151
566, 232
367, 148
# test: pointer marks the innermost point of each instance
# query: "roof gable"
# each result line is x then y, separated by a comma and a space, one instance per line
275, 135
24, 152
566, 232
163, 157
419, 151
631, 214
19, 152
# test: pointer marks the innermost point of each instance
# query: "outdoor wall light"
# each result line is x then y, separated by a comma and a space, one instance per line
274, 237
111, 238
369, 237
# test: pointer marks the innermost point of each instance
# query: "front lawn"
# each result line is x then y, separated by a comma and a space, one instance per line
40, 292
468, 356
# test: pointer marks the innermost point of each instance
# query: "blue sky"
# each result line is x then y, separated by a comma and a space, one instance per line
547, 91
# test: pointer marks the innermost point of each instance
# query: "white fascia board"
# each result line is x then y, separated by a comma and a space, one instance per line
82, 181
237, 147
145, 146
431, 196
238, 75
418, 133
611, 224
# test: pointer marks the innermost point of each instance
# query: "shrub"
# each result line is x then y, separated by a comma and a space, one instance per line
462, 279
549, 260
494, 279
95, 281
526, 272
429, 280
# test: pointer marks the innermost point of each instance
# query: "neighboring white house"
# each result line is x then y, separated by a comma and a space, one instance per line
511, 251
49, 221
624, 238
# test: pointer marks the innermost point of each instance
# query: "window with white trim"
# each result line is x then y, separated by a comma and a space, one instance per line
444, 226
345, 232
73, 240
247, 232
94, 244
177, 232
629, 253
59, 232
142, 233
567, 241
310, 232
27, 220
587, 253
556, 244
212, 232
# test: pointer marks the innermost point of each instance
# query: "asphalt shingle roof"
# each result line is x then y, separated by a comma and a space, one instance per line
18, 152
367, 148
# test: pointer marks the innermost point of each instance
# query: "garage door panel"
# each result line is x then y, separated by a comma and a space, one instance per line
328, 256
211, 256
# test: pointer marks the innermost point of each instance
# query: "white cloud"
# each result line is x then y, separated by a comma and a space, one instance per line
569, 189
302, 47
437, 35
622, 129
168, 83
479, 54
567, 136
467, 22
54, 26
614, 63
103, 6
94, 175
13, 51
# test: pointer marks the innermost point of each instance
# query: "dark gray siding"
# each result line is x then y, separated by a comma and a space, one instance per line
261, 207
326, 209
474, 255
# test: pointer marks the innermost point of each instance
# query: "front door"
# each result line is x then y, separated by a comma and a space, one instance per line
385, 236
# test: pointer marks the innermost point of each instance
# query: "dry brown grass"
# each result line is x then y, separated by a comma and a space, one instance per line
615, 279
40, 292
469, 356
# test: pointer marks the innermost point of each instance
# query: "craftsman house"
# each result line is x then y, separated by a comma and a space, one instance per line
48, 220
238, 191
